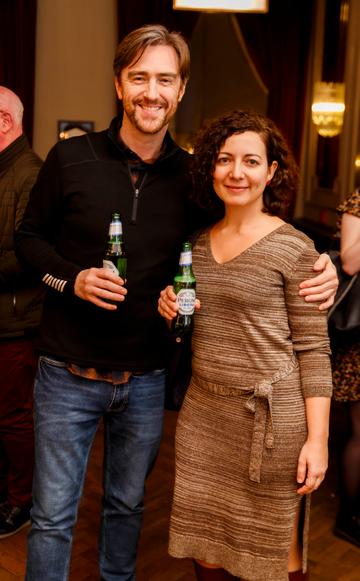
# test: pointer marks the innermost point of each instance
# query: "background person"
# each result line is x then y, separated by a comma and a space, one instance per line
346, 377
20, 304
100, 360
252, 434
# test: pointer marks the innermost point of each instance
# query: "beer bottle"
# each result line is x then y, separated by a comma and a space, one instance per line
115, 257
184, 288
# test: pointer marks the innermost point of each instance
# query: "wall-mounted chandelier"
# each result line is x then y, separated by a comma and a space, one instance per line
328, 108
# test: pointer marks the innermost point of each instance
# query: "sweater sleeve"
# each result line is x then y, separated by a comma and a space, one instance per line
35, 240
308, 331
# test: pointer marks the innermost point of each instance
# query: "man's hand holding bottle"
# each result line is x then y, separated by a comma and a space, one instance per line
99, 285
104, 287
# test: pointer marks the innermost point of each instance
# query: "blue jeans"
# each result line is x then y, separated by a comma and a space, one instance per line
68, 410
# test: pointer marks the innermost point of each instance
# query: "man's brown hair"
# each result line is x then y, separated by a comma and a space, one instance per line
134, 44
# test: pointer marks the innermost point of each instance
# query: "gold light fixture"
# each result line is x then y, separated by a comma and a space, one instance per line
328, 108
222, 5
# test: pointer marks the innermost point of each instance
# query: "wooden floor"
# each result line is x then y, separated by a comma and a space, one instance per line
331, 559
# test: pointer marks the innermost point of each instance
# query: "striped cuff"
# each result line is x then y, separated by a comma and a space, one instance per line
55, 283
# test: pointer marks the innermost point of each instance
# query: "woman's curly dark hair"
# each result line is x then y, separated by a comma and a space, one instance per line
278, 195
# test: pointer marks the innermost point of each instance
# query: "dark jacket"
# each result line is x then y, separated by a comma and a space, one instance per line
20, 292
65, 230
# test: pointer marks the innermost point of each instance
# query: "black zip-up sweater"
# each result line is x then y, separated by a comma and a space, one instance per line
65, 230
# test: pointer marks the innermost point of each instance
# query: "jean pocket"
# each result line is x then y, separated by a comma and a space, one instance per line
51, 361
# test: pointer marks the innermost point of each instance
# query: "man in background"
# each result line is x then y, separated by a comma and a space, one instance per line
20, 305
102, 340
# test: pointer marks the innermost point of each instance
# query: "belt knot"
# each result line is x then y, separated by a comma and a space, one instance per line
260, 404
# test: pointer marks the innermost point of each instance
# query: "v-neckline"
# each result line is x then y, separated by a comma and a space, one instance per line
209, 247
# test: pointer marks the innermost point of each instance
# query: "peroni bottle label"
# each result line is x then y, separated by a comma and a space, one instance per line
185, 258
185, 298
110, 266
117, 264
115, 228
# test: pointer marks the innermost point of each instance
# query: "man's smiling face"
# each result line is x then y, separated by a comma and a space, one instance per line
151, 88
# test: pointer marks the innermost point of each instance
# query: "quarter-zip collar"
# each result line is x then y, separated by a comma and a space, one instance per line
138, 169
168, 149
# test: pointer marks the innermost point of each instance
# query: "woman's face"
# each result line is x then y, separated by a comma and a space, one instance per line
242, 171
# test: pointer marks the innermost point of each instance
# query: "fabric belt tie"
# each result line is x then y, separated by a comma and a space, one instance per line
260, 404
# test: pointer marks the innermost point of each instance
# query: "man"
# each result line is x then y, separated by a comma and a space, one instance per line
100, 359
20, 303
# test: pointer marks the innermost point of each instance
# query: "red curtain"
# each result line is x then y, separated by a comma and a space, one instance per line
17, 53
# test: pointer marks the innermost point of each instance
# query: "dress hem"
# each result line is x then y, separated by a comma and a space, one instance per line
253, 567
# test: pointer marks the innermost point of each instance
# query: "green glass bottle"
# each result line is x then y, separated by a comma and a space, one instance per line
184, 288
115, 256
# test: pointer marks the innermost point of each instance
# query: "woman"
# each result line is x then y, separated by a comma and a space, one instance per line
347, 383
252, 433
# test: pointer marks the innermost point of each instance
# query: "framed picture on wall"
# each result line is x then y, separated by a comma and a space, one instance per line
68, 129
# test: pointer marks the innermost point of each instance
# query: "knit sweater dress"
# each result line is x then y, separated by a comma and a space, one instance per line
258, 351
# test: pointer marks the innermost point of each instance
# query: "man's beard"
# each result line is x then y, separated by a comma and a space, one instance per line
148, 126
